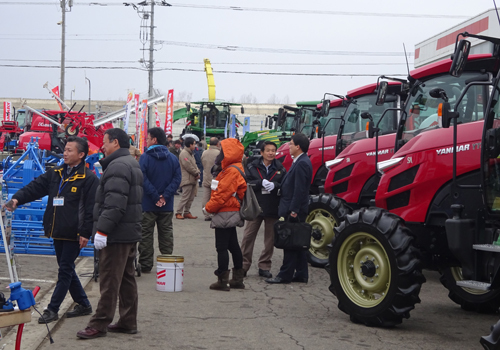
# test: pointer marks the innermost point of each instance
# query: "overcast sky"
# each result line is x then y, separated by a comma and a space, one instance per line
99, 36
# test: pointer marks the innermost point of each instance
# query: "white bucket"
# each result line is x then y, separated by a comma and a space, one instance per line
169, 273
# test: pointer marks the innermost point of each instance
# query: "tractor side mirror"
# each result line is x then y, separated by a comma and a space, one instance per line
381, 93
492, 146
267, 120
446, 114
366, 115
371, 129
325, 108
460, 58
438, 93
270, 123
242, 110
281, 116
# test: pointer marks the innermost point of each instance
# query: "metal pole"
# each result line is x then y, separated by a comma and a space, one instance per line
63, 48
90, 91
151, 50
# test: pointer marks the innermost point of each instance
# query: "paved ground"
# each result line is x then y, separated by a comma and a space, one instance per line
293, 316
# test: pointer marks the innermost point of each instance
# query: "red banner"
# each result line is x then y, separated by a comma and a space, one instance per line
137, 121
169, 119
157, 116
144, 125
56, 92
7, 111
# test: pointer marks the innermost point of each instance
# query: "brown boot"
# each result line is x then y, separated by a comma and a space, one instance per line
237, 281
179, 216
189, 216
222, 282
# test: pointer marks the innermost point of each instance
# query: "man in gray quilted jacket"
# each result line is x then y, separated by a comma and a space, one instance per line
117, 229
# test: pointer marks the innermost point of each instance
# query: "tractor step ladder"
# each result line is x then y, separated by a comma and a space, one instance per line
487, 247
474, 285
477, 285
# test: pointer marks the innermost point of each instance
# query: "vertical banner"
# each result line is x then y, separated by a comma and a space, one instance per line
128, 110
246, 125
205, 128
137, 120
233, 126
169, 119
56, 92
7, 111
157, 115
144, 121
225, 129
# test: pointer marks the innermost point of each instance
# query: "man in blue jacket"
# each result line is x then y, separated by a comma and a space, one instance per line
162, 177
294, 205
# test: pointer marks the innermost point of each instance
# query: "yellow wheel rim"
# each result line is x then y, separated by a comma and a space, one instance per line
322, 223
364, 270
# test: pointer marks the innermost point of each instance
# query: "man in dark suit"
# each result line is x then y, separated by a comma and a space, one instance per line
294, 204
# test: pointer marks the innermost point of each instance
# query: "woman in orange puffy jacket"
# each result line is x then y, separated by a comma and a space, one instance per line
228, 190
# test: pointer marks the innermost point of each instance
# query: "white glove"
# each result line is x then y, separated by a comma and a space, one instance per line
205, 212
100, 241
268, 186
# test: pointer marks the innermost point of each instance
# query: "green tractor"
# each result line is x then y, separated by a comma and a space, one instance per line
288, 121
211, 118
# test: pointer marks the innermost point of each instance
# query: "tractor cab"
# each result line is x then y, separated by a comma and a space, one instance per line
211, 118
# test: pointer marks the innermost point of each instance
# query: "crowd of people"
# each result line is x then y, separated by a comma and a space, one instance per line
136, 192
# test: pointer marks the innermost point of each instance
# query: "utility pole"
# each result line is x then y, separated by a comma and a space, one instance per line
146, 15
63, 45
151, 121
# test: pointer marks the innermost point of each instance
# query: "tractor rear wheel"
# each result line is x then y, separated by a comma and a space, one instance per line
325, 212
469, 299
374, 268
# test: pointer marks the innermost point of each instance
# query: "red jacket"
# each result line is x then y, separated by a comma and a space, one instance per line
230, 179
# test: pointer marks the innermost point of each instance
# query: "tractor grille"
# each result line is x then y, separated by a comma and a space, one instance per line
340, 188
403, 179
399, 200
343, 173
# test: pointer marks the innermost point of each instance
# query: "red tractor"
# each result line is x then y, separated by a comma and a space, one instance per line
51, 128
429, 206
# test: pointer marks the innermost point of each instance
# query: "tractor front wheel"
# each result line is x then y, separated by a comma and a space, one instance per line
325, 212
374, 268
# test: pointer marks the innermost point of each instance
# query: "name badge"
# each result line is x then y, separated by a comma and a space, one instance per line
58, 202
265, 192
214, 185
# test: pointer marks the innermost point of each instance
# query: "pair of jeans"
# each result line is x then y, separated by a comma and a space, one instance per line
67, 280
163, 221
226, 239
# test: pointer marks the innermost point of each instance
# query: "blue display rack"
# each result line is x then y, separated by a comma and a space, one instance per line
27, 220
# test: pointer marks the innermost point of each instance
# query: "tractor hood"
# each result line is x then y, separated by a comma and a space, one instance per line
442, 139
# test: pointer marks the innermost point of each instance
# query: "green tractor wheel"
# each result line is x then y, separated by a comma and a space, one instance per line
374, 268
325, 212
469, 299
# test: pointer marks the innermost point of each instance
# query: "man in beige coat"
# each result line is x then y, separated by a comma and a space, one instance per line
208, 161
190, 176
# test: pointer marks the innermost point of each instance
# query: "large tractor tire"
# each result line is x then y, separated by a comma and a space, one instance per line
469, 299
375, 270
325, 212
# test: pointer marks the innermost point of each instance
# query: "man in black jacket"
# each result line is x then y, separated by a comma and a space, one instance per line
265, 174
67, 220
294, 205
117, 228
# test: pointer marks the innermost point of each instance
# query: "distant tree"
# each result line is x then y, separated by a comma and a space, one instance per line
285, 100
248, 98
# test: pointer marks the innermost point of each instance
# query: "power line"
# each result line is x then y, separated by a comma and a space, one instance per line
257, 9
247, 49
219, 63
217, 71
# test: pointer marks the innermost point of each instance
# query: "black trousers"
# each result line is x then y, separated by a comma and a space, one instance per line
294, 265
226, 239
